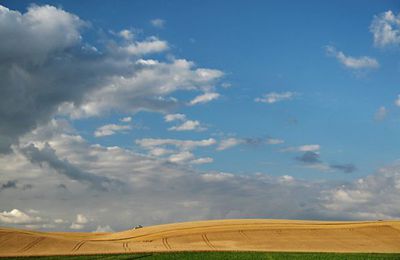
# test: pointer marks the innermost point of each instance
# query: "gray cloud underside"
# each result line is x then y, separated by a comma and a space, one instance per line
309, 157
47, 68
47, 155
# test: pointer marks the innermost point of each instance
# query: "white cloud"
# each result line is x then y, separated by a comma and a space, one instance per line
76, 226
59, 221
202, 160
150, 143
126, 34
355, 63
103, 229
186, 125
159, 23
303, 148
17, 216
174, 117
229, 143
148, 89
397, 102
274, 97
380, 114
157, 151
287, 178
80, 222
181, 157
217, 177
111, 129
204, 98
189, 125
385, 28
126, 119
309, 148
179, 151
373, 197
151, 45
48, 29
81, 219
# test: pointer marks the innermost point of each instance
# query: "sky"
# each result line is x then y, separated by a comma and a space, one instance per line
120, 113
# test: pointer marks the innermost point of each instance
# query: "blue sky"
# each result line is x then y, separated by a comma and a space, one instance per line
302, 89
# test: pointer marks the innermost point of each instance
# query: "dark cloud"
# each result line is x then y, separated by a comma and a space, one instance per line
347, 168
8, 185
44, 64
47, 156
62, 186
254, 141
309, 157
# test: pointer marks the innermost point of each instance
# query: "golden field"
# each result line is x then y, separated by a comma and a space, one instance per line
214, 235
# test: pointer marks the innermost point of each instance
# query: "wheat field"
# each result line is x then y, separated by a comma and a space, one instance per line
214, 235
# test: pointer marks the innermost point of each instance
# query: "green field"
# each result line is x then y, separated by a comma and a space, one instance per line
223, 255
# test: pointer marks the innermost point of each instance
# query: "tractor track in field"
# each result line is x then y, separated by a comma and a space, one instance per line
207, 241
32, 244
166, 244
126, 247
244, 235
78, 246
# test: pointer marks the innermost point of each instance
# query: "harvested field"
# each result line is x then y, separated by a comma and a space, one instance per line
215, 235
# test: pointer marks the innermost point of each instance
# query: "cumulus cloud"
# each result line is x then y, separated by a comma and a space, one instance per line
45, 29
217, 177
181, 157
158, 23
229, 143
204, 98
179, 151
147, 90
182, 144
174, 117
385, 28
186, 125
103, 229
274, 97
126, 34
47, 68
189, 125
111, 129
80, 222
127, 119
355, 63
17, 216
150, 45
303, 148
373, 197
202, 160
